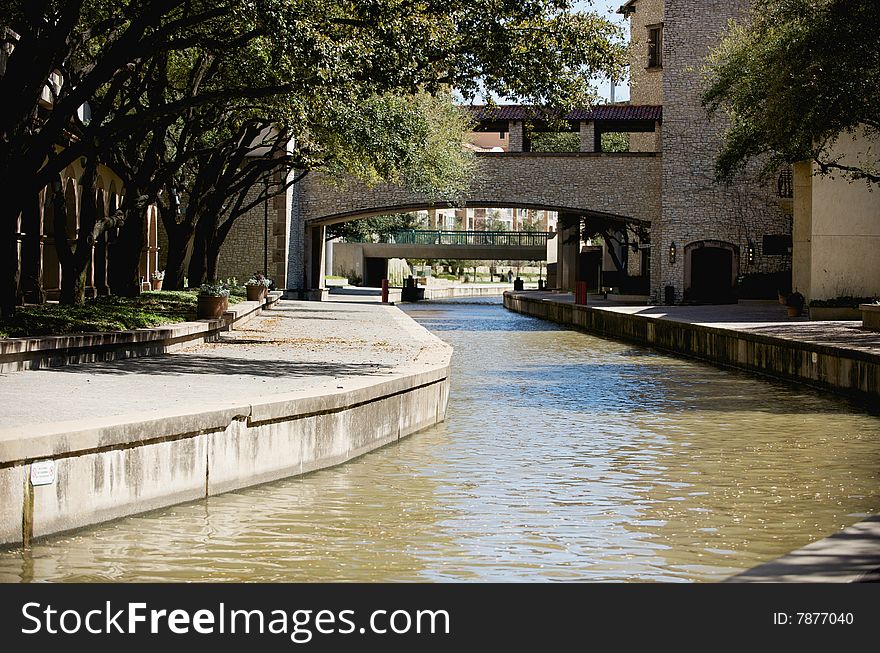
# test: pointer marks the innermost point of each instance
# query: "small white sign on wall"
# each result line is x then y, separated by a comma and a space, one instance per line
42, 472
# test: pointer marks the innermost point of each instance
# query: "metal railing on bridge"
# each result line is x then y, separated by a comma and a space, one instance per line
441, 237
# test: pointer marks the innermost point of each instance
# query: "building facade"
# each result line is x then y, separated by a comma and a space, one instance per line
710, 235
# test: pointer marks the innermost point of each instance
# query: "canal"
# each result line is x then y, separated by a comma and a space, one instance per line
563, 457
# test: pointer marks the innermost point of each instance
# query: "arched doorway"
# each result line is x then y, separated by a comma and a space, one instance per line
711, 269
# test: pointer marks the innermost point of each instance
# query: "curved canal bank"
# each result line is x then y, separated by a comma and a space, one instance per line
838, 356
304, 387
563, 457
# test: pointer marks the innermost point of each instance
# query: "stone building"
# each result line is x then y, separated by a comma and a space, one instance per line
706, 238
709, 234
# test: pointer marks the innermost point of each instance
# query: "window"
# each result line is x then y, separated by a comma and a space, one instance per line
776, 245
655, 47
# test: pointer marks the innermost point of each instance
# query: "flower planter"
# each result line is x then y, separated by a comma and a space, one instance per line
210, 307
870, 316
157, 284
834, 313
256, 293
793, 311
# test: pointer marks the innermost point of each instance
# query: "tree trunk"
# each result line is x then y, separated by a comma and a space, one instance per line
212, 258
10, 290
198, 262
124, 267
180, 241
73, 282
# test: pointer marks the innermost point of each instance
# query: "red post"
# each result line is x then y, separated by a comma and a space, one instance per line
384, 291
580, 293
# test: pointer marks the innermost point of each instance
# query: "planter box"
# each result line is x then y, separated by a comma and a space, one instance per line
870, 316
212, 307
834, 313
256, 293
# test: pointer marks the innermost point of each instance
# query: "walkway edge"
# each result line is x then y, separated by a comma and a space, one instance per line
852, 372
110, 467
850, 556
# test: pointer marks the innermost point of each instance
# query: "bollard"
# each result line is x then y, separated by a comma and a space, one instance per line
384, 291
580, 293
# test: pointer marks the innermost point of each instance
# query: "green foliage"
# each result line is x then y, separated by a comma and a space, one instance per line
794, 77
555, 141
615, 142
214, 290
530, 221
101, 314
378, 229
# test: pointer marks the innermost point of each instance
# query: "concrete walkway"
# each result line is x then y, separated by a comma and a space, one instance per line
766, 318
852, 555
296, 346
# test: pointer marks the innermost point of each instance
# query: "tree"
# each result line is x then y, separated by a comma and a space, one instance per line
794, 77
615, 141
566, 141
616, 234
343, 53
379, 228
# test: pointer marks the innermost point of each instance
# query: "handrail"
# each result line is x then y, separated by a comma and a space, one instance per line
444, 237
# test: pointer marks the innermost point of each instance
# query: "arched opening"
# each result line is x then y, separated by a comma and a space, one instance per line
711, 268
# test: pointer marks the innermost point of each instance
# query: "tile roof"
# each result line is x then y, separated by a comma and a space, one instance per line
484, 112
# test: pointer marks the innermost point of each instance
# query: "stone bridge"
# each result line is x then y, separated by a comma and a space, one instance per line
623, 186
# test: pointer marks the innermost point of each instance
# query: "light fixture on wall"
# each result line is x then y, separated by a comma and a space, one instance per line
750, 253
672, 253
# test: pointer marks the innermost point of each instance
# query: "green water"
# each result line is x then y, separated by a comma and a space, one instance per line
564, 457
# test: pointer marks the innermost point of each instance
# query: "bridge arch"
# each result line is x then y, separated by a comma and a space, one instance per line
621, 186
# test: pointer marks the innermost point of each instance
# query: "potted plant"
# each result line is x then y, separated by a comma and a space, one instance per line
257, 287
213, 300
158, 276
795, 304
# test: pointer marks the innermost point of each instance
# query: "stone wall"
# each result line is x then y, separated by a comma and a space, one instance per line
242, 253
695, 207
646, 84
626, 185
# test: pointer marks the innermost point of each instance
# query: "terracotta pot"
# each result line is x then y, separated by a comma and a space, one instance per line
256, 293
157, 284
212, 307
793, 311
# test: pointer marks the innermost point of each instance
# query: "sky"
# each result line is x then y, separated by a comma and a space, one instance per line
609, 9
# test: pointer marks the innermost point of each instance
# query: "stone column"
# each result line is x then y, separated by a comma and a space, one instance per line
515, 142
568, 248
313, 251
802, 229
295, 246
588, 136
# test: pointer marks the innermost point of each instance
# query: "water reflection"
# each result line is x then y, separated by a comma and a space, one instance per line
564, 457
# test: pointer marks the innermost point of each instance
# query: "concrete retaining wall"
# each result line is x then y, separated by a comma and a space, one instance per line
841, 370
39, 352
110, 467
